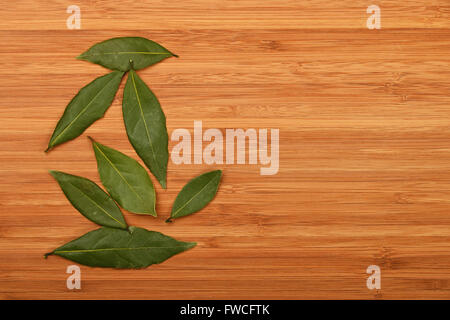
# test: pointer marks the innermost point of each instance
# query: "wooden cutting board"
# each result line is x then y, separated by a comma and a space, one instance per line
364, 149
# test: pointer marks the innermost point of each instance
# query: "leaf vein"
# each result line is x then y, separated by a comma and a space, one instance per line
112, 249
145, 122
123, 52
117, 170
81, 112
94, 202
192, 198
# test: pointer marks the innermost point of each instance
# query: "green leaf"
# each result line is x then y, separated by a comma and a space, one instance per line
196, 194
89, 105
146, 126
90, 200
116, 53
115, 248
125, 179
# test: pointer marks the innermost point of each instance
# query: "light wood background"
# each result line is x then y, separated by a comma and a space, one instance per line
364, 119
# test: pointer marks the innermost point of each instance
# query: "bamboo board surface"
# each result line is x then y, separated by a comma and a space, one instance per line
364, 120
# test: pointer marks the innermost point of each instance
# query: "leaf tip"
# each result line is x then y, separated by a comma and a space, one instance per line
48, 149
149, 211
48, 254
217, 173
190, 245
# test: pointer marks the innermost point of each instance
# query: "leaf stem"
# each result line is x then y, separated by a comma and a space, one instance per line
169, 220
48, 254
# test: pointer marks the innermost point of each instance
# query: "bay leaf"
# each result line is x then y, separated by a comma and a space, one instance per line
145, 123
196, 194
90, 200
116, 53
125, 179
126, 249
89, 105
